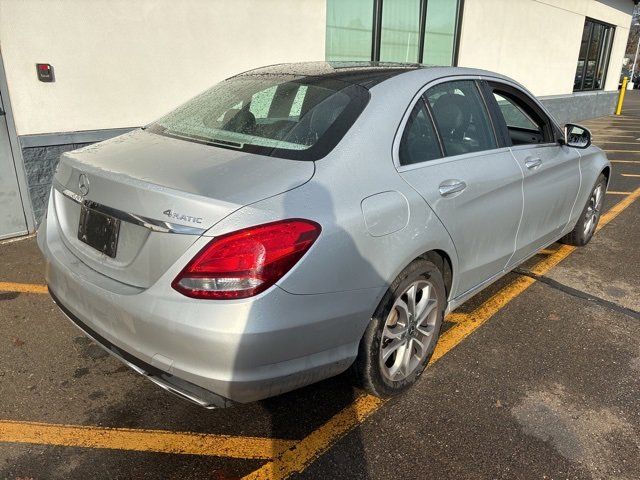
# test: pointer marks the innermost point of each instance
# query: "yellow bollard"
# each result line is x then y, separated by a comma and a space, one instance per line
623, 90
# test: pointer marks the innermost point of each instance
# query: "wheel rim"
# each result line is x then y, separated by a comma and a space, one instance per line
592, 215
409, 330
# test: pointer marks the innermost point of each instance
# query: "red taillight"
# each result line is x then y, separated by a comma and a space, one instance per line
244, 263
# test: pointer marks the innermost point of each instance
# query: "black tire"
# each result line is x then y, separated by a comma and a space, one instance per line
583, 231
367, 367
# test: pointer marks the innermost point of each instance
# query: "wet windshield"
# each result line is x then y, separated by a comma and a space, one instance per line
278, 115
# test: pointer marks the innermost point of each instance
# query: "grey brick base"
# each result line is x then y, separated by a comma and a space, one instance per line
580, 106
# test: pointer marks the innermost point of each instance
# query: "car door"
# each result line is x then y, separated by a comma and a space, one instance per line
551, 171
448, 152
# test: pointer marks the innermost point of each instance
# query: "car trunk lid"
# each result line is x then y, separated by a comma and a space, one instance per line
159, 185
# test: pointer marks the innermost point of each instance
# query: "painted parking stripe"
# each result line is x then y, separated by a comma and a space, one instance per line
630, 175
624, 161
311, 447
162, 441
601, 136
614, 192
621, 119
17, 239
22, 287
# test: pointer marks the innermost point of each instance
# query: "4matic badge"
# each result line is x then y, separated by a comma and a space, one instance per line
182, 217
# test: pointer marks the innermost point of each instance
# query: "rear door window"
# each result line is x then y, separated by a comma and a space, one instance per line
419, 140
461, 117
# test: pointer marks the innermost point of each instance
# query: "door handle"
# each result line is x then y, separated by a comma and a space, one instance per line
532, 163
449, 187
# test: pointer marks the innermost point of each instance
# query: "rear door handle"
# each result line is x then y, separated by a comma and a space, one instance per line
449, 187
532, 163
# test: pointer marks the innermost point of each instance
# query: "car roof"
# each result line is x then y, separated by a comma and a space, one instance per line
365, 74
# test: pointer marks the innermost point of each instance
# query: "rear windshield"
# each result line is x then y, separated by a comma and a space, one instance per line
284, 116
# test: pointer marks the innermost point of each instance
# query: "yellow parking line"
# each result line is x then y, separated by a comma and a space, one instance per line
598, 137
620, 118
317, 442
624, 161
161, 441
620, 151
22, 287
630, 175
613, 192
619, 143
311, 447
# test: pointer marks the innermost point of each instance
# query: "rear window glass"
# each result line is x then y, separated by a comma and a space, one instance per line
278, 115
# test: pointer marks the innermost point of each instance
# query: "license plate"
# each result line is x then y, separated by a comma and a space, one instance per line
99, 231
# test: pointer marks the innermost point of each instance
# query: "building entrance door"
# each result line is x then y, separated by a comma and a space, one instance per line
12, 218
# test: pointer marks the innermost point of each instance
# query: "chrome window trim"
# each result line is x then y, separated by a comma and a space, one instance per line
454, 158
533, 146
146, 222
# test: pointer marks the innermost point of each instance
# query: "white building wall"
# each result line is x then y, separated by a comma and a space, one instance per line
537, 42
121, 63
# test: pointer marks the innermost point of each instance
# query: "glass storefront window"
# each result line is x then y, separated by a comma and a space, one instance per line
349, 30
411, 31
439, 35
593, 57
400, 33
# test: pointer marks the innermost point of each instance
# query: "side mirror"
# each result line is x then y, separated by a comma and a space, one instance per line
576, 136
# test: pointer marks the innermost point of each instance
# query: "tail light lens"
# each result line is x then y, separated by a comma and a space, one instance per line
244, 263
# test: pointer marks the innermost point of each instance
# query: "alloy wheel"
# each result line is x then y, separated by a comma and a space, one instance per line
593, 211
409, 330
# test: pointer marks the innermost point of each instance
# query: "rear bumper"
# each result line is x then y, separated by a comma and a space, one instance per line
170, 383
210, 352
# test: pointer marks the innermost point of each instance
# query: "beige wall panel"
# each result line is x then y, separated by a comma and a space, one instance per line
537, 41
123, 63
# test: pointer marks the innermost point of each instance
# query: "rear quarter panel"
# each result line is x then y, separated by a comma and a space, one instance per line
348, 255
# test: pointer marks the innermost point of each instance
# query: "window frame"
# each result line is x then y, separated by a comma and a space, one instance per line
601, 56
551, 132
419, 97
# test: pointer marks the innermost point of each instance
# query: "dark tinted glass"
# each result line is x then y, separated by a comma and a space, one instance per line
299, 118
582, 57
593, 58
419, 141
461, 117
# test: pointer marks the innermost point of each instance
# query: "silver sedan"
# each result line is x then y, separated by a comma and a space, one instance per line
295, 221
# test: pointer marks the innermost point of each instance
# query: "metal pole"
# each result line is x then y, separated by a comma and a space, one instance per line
623, 90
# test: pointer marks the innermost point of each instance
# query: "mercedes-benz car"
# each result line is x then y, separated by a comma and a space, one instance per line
299, 220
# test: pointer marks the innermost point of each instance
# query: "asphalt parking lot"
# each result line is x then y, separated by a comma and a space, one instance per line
536, 377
